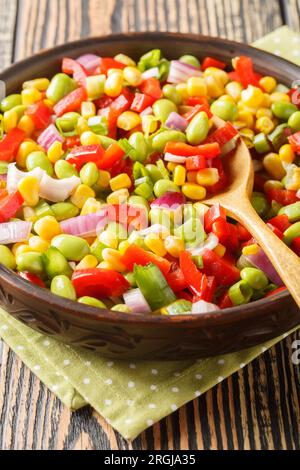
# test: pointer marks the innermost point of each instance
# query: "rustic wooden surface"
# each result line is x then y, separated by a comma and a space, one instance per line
256, 408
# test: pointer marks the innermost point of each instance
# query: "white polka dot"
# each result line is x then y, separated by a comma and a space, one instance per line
37, 367
128, 420
86, 381
263, 349
131, 384
151, 405
150, 422
88, 363
109, 363
295, 39
46, 343
276, 40
129, 402
197, 393
177, 374
277, 52
107, 402
295, 53
242, 364
220, 378
132, 366
20, 347
108, 382
198, 376
54, 388
58, 374
67, 362
221, 361
153, 387
174, 407
154, 371
4, 327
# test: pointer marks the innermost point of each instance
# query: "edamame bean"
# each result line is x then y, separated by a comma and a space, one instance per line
67, 122
160, 140
162, 108
7, 258
31, 262
3, 168
226, 110
73, 248
92, 302
64, 169
55, 263
62, 286
283, 110
89, 174
60, 86
10, 102
198, 128
260, 203
19, 110
64, 210
121, 308
138, 142
170, 92
39, 159
292, 232
163, 186
191, 60
255, 278
292, 211
154, 172
294, 121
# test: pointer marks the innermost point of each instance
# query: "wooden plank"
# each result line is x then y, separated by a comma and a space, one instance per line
291, 13
258, 407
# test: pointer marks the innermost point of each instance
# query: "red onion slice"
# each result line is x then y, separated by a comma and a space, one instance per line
49, 136
135, 300
177, 122
89, 61
179, 72
204, 307
261, 261
85, 225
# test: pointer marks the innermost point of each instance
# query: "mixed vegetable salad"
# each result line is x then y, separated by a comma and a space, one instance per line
103, 169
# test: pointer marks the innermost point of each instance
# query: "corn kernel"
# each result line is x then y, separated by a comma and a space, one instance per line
214, 87
250, 249
252, 96
219, 74
273, 165
27, 125
103, 179
41, 84
38, 244
120, 182
264, 124
293, 179
89, 261
272, 184
105, 265
81, 194
49, 103
247, 133
171, 166
23, 248
268, 83
113, 257
264, 112
286, 153
16, 246
266, 103
89, 138
155, 244
27, 146
132, 75
118, 197
234, 89
47, 227
113, 85
196, 86
174, 245
194, 191
10, 120
124, 59
91, 206
28, 214
247, 118
109, 239
29, 189
207, 177
30, 96
279, 97
82, 126
128, 120
88, 109
220, 250
55, 151
116, 71
181, 88
95, 86
149, 124
191, 176
123, 246
179, 175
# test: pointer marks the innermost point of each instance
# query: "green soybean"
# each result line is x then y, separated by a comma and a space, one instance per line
67, 122
3, 167
283, 110
64, 169
292, 232
191, 60
292, 211
154, 172
170, 92
60, 86
261, 143
64, 210
163, 186
62, 286
39, 159
89, 174
294, 121
7, 258
73, 248
138, 142
31, 262
10, 101
225, 110
92, 302
20, 110
160, 140
260, 203
162, 108
255, 278
240, 293
198, 128
121, 308
55, 263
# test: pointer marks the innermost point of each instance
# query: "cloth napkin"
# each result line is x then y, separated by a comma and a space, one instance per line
130, 395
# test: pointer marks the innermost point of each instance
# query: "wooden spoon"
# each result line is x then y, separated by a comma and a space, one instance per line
236, 200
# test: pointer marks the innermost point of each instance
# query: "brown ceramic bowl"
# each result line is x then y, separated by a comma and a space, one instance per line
137, 336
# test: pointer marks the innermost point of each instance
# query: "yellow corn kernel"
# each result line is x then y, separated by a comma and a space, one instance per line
128, 120
219, 74
264, 124
155, 244
30, 96
29, 188
23, 248
120, 182
47, 227
181, 88
81, 194
234, 89
266, 103
41, 84
82, 126
10, 120
91, 206
247, 133
26, 147
149, 124
207, 177
214, 87
89, 138
272, 184
123, 246
124, 59
109, 239
116, 71
28, 214
252, 96
55, 151
103, 179
293, 179
118, 197
27, 125
89, 261
247, 118
88, 109
16, 246
191, 176
220, 250
132, 75
171, 166
227, 98
48, 103
286, 153
113, 257
280, 97
268, 83
105, 265
196, 86
194, 191
179, 175
174, 245
250, 249
113, 85
273, 165
264, 112
38, 244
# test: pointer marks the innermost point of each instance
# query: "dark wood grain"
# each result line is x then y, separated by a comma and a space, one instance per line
256, 408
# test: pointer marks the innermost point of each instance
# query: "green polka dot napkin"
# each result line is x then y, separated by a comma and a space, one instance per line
130, 395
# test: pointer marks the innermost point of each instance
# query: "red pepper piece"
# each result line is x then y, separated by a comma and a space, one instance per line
184, 295
233, 75
71, 102
214, 214
103, 102
225, 272
10, 144
244, 67
151, 87
232, 241
281, 222
276, 231
221, 229
194, 100
185, 150
296, 245
259, 182
225, 301
207, 289
211, 62
71, 142
123, 102
243, 233
107, 63
72, 67
32, 278
9, 205
197, 162
294, 140
176, 279
141, 102
79, 156
191, 273
275, 291
189, 115
282, 196
113, 154
223, 134
136, 255
40, 114
99, 283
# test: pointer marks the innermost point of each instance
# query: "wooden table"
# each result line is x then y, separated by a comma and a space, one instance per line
256, 408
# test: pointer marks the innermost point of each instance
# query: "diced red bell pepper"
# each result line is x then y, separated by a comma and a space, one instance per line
222, 135
72, 67
207, 289
243, 233
275, 230
211, 62
275, 291
225, 272
103, 102
71, 102
225, 301
185, 150
294, 140
197, 162
221, 229
189, 115
194, 100
151, 87
176, 279
214, 214
141, 102
233, 75
70, 142
244, 67
183, 294
10, 144
281, 222
107, 63
282, 196
40, 114
32, 278
125, 165
232, 241
111, 116
191, 273
132, 217
259, 182
296, 245
79, 156
99, 283
9, 205
123, 101
136, 255
113, 154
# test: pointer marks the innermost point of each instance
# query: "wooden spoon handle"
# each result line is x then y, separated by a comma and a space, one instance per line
284, 260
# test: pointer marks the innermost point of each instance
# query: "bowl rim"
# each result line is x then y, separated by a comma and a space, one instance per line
218, 317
